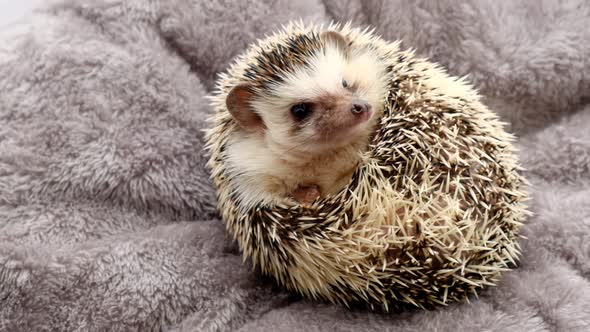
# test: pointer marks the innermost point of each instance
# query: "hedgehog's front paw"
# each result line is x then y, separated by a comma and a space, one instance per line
305, 195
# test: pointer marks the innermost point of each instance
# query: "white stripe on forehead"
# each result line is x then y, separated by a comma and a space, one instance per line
323, 74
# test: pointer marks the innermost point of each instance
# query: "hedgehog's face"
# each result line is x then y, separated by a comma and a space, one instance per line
329, 103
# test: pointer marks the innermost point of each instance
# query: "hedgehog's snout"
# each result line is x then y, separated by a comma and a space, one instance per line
360, 106
361, 110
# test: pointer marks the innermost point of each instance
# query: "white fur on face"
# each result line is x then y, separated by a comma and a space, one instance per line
266, 168
327, 69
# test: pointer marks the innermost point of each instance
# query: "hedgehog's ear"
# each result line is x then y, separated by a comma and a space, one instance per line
239, 105
336, 39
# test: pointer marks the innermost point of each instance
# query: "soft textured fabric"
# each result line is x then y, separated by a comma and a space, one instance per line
107, 213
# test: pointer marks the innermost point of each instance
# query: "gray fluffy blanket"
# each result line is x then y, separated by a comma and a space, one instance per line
107, 218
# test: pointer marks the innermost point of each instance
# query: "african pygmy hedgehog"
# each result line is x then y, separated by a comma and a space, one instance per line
427, 204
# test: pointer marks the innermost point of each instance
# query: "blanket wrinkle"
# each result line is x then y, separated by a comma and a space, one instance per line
107, 212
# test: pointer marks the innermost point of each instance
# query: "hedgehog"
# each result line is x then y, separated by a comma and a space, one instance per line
417, 199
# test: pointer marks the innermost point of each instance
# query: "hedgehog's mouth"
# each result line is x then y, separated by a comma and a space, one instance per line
339, 136
345, 130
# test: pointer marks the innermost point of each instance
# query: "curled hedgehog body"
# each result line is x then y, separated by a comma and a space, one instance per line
430, 216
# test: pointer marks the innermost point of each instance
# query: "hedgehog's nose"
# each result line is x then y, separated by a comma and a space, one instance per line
360, 107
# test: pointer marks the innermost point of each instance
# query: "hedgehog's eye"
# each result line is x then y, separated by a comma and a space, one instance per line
301, 111
344, 84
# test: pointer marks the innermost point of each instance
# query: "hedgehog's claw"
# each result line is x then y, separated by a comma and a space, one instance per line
306, 195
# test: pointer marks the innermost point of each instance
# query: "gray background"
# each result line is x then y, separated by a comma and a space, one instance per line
12, 10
